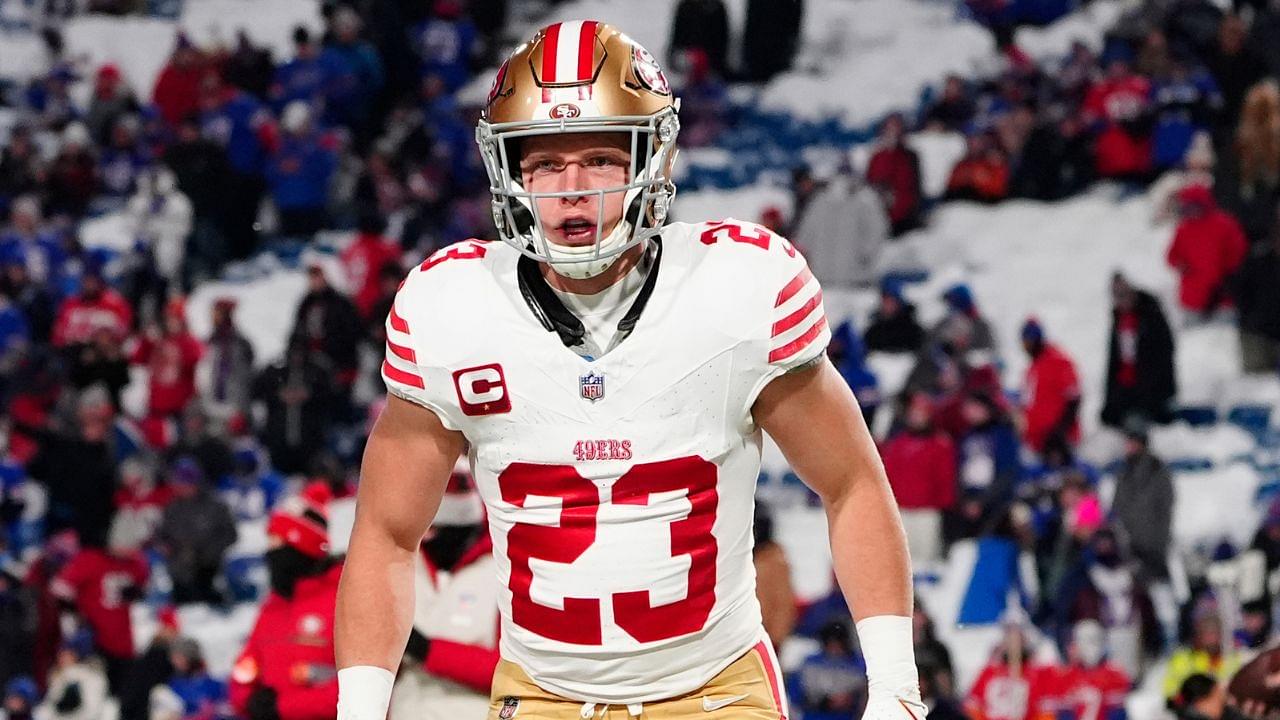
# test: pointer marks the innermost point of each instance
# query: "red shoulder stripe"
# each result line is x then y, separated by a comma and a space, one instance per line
799, 343
794, 318
793, 287
402, 377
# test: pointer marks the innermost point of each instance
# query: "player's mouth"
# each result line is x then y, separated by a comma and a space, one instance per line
578, 231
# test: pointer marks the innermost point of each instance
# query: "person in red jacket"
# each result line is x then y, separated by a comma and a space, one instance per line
1051, 394
96, 307
101, 583
1116, 107
286, 670
364, 259
1012, 686
1091, 687
894, 171
177, 89
920, 461
171, 356
1208, 247
982, 174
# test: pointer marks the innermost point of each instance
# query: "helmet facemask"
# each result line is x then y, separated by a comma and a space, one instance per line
647, 194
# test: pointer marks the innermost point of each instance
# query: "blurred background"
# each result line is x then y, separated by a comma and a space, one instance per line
1047, 230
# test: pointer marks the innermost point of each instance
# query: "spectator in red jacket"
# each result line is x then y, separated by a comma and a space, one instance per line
364, 259
920, 461
171, 356
894, 171
286, 670
95, 307
1051, 395
1208, 247
101, 583
1116, 107
982, 174
177, 88
1090, 686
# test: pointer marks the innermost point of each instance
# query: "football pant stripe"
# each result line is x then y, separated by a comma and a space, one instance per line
771, 677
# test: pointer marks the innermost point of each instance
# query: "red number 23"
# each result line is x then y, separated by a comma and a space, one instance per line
579, 622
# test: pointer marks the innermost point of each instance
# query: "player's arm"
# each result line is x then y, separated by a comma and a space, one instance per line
812, 415
406, 466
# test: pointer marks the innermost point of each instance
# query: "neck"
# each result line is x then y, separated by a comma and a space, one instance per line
593, 285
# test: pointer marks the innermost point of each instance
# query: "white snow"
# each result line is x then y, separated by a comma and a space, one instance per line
141, 46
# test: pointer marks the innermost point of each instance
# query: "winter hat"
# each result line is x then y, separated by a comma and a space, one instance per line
76, 135
296, 117
167, 616
80, 642
959, 298
1200, 151
22, 686
109, 72
302, 521
892, 287
1088, 514
1196, 195
186, 471
1032, 331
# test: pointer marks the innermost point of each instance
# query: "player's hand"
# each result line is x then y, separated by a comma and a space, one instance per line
904, 704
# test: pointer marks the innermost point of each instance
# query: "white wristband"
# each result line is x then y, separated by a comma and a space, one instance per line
889, 652
364, 692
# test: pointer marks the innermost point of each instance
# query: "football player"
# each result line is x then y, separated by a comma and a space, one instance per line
609, 374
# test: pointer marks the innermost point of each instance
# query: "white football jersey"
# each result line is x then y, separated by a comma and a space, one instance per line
620, 490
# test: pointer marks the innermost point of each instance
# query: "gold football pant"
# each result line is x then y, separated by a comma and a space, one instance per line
749, 689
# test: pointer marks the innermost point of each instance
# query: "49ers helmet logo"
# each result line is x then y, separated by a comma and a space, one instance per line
566, 111
648, 72
498, 80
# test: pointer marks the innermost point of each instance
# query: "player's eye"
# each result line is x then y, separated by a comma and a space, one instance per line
601, 161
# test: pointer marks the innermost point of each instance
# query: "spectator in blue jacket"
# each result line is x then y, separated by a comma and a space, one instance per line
308, 75
200, 693
1186, 101
989, 466
850, 357
298, 173
243, 127
446, 44
831, 684
124, 160
26, 242
350, 97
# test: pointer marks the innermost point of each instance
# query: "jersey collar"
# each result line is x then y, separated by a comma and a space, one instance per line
551, 312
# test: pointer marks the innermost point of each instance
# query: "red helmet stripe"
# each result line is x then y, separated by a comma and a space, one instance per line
550, 48
586, 50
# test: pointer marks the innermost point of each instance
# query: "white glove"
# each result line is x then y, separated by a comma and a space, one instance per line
364, 692
893, 686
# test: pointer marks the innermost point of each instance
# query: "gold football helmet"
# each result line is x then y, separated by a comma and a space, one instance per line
580, 77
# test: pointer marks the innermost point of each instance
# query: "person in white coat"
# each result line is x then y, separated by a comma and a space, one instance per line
78, 684
453, 647
160, 217
842, 230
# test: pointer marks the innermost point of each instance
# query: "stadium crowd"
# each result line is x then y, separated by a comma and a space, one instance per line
360, 129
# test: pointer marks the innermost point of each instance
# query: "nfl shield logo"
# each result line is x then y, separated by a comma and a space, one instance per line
509, 707
591, 386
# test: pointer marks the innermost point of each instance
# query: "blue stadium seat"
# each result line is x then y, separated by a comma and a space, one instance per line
1190, 464
1198, 415
1254, 419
